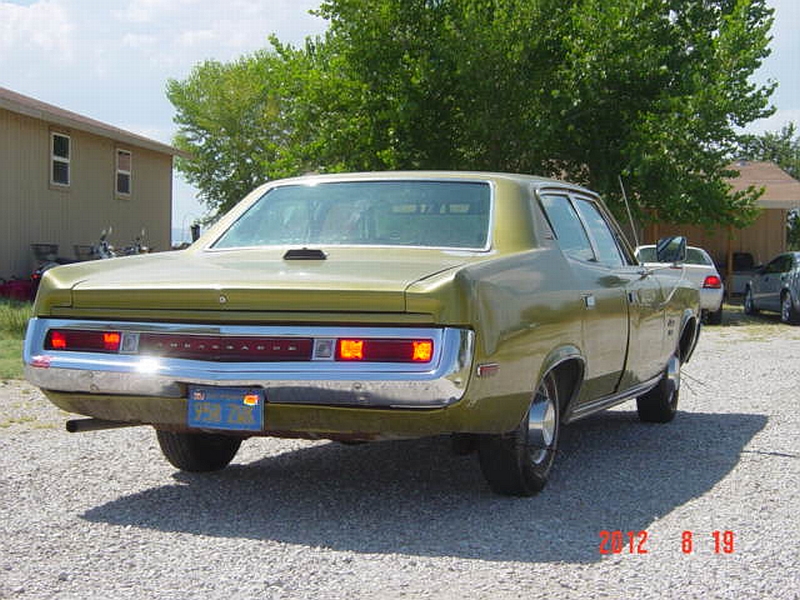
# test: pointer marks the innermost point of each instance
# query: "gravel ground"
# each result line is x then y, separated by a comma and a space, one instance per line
102, 515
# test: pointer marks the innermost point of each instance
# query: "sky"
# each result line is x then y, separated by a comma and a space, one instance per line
111, 59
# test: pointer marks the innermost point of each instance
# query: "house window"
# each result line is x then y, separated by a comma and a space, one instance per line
124, 172
60, 152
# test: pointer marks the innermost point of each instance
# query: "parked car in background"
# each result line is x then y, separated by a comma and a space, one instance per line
374, 306
700, 270
776, 287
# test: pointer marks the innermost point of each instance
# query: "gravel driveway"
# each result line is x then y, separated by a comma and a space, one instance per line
102, 515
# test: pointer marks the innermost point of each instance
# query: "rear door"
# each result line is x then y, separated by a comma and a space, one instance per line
596, 263
769, 282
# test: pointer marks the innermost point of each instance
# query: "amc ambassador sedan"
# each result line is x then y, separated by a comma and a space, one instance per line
493, 307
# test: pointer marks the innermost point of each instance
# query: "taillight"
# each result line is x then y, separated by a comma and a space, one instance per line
83, 341
220, 348
713, 282
382, 350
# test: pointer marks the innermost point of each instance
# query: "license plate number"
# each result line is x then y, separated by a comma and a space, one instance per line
229, 408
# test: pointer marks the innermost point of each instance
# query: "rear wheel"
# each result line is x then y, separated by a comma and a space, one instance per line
198, 452
660, 404
518, 463
749, 305
788, 311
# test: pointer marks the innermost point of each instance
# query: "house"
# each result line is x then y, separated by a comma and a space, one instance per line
65, 177
762, 240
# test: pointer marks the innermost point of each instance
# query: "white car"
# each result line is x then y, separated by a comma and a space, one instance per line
700, 270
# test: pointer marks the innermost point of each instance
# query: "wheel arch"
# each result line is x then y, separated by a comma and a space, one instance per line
568, 366
690, 334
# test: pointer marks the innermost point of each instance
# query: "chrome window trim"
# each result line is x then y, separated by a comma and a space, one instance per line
299, 182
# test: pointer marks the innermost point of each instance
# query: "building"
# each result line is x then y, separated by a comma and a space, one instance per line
64, 178
762, 240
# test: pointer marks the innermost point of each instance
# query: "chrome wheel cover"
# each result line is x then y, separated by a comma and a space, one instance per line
674, 373
542, 425
786, 307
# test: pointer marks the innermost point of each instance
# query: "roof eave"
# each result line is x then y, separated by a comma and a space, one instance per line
77, 122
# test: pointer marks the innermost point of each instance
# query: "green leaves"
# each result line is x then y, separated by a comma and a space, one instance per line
652, 90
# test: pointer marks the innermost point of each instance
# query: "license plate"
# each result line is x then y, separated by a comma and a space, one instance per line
229, 408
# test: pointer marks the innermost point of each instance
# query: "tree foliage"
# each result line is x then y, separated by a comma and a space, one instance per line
781, 147
649, 90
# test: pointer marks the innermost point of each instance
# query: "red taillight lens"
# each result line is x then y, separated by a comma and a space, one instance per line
111, 341
58, 341
83, 341
377, 350
713, 282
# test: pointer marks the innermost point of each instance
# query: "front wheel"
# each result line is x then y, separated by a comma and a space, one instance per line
198, 452
788, 312
660, 404
518, 463
749, 305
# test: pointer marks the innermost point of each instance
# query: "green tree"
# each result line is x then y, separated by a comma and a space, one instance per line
652, 90
781, 147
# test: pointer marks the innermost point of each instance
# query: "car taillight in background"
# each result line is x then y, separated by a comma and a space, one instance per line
712, 282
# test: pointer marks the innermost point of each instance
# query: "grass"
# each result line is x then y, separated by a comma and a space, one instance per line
761, 327
13, 320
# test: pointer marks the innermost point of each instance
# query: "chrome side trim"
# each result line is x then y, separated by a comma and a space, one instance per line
589, 408
439, 383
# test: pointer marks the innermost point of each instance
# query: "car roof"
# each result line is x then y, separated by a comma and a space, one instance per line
489, 176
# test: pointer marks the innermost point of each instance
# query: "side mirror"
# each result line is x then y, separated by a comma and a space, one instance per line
671, 249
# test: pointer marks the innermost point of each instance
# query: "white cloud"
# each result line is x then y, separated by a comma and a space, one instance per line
776, 122
138, 40
199, 38
42, 28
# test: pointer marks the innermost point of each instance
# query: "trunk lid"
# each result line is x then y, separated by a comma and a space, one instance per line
349, 280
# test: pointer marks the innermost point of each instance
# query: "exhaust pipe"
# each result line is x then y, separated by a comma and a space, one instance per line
80, 425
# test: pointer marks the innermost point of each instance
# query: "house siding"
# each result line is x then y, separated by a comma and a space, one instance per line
34, 211
764, 239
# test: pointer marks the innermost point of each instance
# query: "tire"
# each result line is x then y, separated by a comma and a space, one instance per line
198, 452
463, 444
714, 317
749, 304
518, 463
788, 312
660, 404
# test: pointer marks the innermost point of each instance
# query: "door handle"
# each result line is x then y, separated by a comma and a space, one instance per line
588, 300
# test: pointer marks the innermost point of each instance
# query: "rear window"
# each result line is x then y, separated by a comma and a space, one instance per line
646, 254
437, 214
694, 256
697, 257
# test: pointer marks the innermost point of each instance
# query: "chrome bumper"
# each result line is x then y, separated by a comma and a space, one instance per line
439, 383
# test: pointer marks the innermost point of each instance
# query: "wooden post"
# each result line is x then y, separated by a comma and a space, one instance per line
729, 265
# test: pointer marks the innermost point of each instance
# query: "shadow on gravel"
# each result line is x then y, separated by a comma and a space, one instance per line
416, 498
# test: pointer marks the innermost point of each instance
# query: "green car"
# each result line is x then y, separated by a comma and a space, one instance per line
493, 307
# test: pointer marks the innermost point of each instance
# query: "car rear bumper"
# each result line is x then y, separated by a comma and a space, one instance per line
438, 383
711, 298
